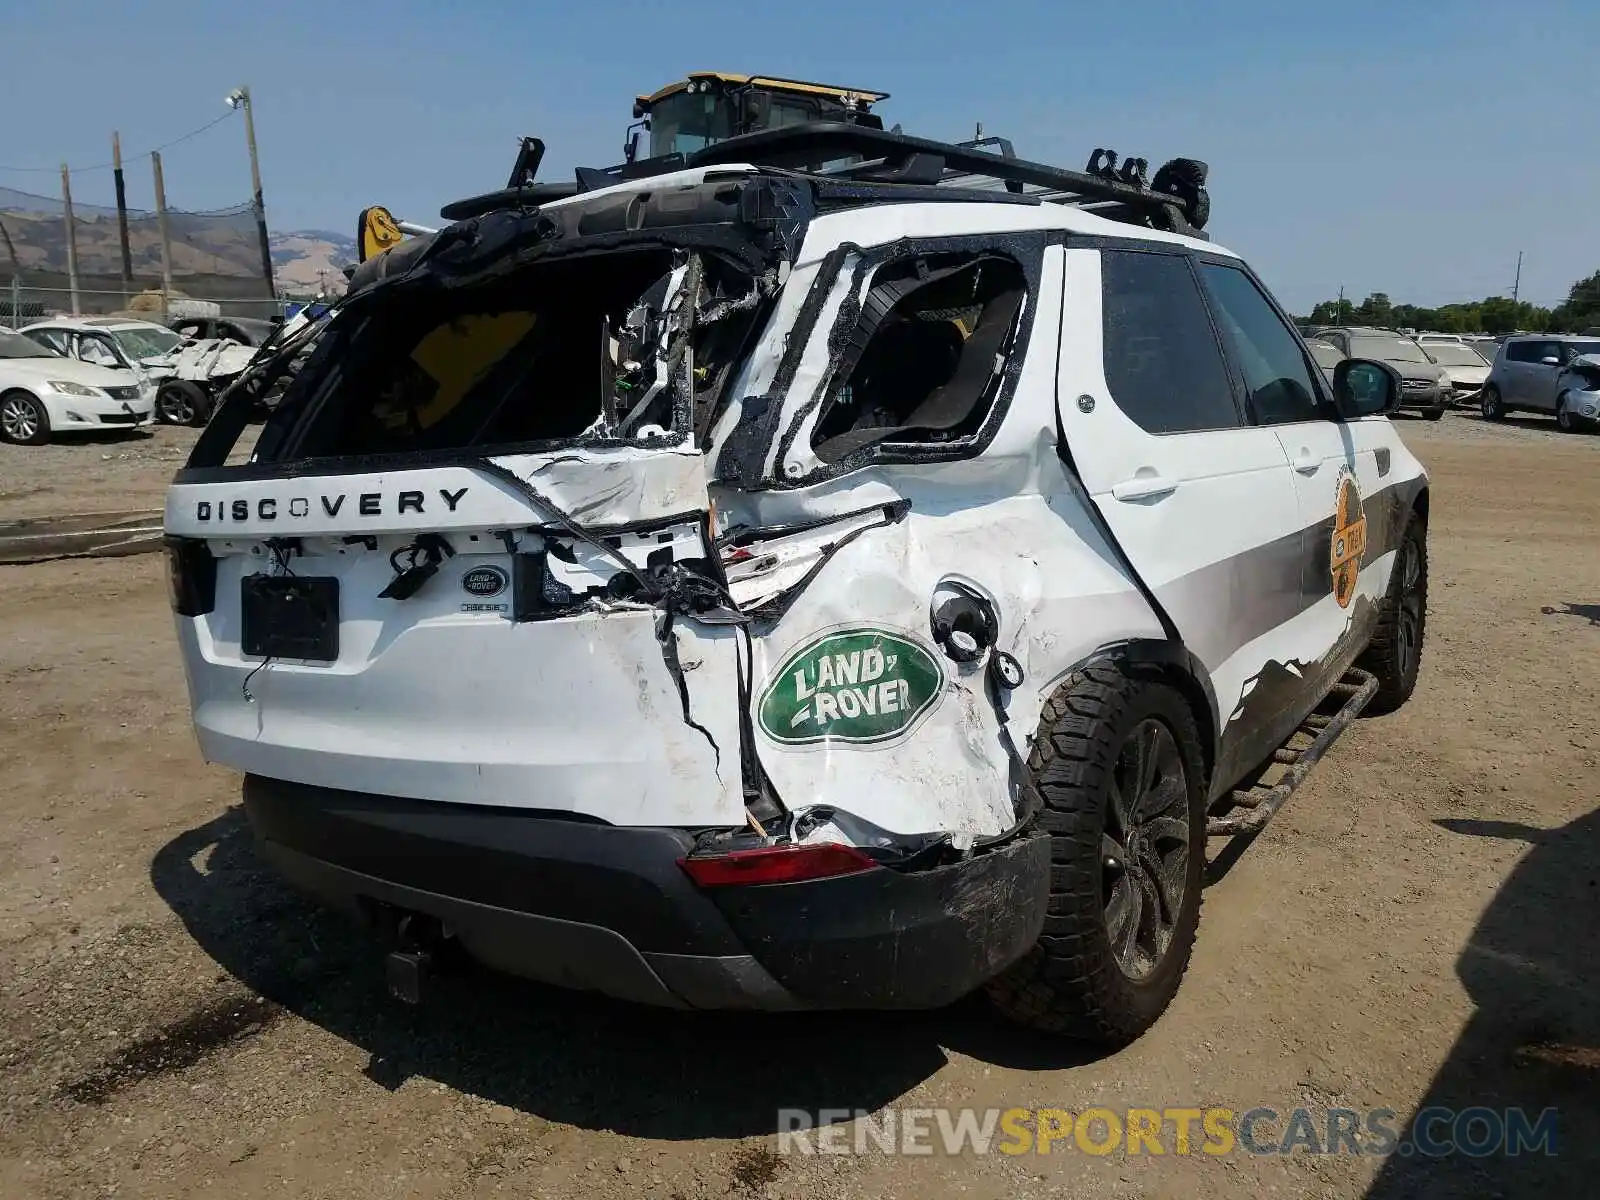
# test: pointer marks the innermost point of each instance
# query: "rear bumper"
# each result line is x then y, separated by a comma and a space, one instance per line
602, 908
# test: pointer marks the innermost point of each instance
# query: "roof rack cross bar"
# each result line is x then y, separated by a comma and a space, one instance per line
1177, 200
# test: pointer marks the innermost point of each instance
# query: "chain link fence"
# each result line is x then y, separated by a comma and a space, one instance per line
22, 304
214, 262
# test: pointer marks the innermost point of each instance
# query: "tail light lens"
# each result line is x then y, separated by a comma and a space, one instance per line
775, 864
191, 576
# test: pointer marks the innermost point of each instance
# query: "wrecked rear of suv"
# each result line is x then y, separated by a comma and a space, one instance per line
489, 654
672, 591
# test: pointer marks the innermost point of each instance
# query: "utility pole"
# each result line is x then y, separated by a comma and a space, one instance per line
72, 237
166, 238
240, 98
122, 211
1516, 287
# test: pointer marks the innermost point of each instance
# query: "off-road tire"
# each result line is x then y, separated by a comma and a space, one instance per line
1397, 672
1491, 406
41, 424
1070, 982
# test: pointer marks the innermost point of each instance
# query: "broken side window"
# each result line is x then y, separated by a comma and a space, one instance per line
621, 345
925, 361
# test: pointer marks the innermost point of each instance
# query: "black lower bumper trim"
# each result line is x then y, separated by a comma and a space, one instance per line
603, 908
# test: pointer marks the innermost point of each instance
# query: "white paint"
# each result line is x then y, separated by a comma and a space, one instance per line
581, 713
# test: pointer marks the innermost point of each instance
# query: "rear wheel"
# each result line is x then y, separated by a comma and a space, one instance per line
23, 419
1493, 409
182, 402
1121, 772
1395, 653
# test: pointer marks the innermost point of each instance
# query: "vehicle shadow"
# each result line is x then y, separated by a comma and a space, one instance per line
575, 1058
1532, 968
1589, 612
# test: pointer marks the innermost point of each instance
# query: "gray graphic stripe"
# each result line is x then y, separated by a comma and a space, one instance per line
1225, 605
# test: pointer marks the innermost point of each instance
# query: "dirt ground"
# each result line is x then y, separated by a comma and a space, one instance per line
1420, 926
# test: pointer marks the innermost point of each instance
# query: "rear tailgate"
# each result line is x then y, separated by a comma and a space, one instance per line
510, 677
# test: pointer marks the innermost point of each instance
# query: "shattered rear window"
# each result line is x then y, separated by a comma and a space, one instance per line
620, 345
925, 360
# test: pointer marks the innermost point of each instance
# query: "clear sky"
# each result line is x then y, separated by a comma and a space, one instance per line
1411, 147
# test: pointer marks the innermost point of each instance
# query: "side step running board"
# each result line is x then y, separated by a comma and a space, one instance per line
1253, 807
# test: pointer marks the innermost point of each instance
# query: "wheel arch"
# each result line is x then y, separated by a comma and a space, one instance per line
1174, 664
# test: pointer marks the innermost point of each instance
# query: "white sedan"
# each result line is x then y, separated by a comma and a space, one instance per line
42, 393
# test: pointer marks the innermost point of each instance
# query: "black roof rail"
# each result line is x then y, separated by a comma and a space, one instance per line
1175, 199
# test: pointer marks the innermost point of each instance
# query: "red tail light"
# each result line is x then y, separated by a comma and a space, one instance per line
775, 864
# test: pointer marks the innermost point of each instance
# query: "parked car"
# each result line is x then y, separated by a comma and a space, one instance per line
1327, 356
708, 683
247, 331
1488, 347
142, 347
1578, 395
1426, 387
1527, 375
44, 393
1465, 367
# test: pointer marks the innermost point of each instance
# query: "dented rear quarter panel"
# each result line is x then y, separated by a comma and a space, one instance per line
1004, 521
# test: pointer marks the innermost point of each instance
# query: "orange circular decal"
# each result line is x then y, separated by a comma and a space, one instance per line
1349, 539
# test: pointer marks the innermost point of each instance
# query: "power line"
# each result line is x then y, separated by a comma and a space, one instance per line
107, 165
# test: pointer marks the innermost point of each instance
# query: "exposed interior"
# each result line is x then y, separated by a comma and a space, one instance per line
925, 359
598, 345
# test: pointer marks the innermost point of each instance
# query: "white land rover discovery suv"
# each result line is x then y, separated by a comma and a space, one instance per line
753, 587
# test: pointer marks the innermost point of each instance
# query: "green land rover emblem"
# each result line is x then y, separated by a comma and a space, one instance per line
854, 685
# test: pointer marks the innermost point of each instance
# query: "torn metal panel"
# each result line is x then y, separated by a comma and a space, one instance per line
212, 359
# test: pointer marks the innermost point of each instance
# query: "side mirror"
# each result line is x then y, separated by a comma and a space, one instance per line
1363, 387
1550, 360
636, 132
755, 112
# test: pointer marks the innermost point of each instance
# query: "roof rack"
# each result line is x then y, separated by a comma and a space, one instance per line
1175, 199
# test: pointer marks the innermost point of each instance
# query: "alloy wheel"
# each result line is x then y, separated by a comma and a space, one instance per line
1145, 848
175, 407
19, 419
1410, 614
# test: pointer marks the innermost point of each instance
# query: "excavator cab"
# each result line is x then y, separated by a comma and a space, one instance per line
709, 107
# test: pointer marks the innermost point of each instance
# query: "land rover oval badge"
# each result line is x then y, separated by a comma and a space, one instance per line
858, 686
485, 581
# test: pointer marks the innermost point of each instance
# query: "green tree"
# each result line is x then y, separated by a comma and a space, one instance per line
1376, 309
1581, 309
1493, 314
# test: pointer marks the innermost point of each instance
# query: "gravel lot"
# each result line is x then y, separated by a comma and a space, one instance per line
1421, 925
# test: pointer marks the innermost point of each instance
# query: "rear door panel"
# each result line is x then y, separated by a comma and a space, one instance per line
1209, 519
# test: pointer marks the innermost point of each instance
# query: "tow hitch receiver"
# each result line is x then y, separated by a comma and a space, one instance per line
1251, 808
405, 970
417, 957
